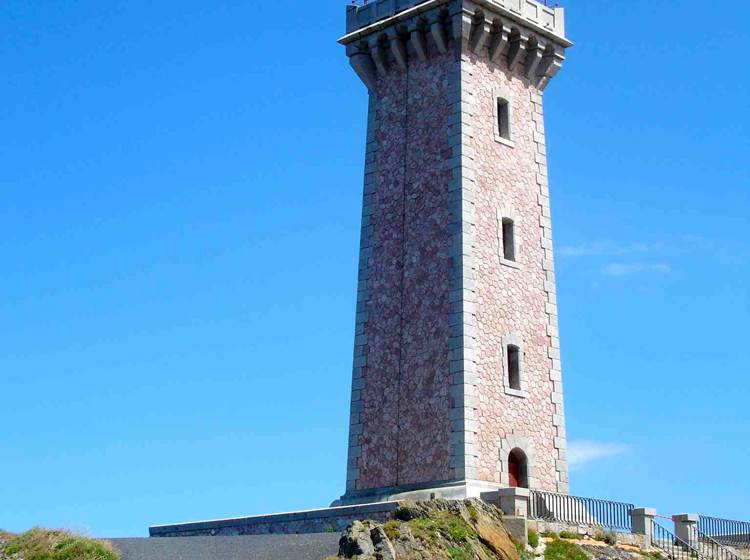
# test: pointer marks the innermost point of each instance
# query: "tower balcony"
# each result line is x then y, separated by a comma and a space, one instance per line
536, 14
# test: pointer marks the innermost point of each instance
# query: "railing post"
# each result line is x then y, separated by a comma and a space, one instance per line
515, 501
686, 528
643, 523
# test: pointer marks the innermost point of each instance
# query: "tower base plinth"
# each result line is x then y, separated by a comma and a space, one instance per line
456, 490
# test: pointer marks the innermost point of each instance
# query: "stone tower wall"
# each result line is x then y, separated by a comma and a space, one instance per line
403, 328
437, 303
514, 301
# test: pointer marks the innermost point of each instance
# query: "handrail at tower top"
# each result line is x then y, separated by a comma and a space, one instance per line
548, 3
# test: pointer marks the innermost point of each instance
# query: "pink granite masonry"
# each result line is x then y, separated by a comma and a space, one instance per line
437, 302
406, 430
510, 300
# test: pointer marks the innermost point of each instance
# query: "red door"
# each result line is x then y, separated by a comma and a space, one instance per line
514, 471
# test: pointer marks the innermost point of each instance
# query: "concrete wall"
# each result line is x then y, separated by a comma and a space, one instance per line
631, 539
261, 547
330, 520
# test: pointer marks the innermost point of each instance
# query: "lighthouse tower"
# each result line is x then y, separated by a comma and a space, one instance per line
457, 386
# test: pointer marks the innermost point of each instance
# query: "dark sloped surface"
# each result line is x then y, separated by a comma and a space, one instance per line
256, 547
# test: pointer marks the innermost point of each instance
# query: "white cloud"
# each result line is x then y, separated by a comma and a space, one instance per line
627, 269
608, 248
582, 453
681, 245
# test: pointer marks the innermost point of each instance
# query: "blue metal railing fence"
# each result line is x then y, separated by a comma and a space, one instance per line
591, 512
725, 531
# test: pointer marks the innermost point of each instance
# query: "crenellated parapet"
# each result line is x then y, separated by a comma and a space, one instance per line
525, 35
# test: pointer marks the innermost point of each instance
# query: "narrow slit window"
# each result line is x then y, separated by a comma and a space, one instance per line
514, 367
503, 118
509, 239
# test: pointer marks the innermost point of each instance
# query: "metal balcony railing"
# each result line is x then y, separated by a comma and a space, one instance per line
725, 531
712, 549
673, 547
576, 510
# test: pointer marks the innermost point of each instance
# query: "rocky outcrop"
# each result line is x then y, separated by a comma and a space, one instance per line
436, 530
44, 544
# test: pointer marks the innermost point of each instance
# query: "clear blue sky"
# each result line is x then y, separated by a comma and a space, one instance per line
180, 190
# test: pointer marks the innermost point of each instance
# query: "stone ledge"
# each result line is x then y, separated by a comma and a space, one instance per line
459, 489
246, 525
391, 32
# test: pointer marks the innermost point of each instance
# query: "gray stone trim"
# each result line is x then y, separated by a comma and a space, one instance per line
363, 297
549, 66
506, 95
463, 359
386, 44
364, 66
253, 521
372, 17
508, 444
643, 523
545, 223
515, 340
445, 489
516, 217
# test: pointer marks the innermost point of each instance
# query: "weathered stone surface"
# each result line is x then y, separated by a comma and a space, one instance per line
383, 548
606, 552
357, 541
433, 530
496, 537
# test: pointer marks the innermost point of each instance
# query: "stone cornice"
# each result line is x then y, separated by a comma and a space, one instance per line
357, 30
527, 45
362, 20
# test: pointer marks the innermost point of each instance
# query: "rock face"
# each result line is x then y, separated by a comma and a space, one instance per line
437, 530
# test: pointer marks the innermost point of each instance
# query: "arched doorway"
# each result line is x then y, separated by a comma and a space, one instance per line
518, 469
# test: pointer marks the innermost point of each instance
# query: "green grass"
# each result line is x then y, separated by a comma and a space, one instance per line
455, 528
447, 525
460, 553
423, 528
561, 550
524, 554
392, 530
570, 535
608, 537
42, 544
533, 538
